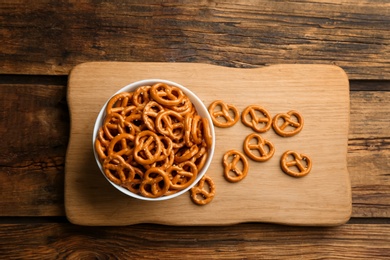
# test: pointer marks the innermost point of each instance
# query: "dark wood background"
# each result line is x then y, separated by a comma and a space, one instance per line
41, 41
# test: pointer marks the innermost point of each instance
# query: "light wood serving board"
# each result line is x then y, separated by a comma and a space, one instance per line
319, 92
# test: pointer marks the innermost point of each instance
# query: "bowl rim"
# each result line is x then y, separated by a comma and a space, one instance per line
199, 105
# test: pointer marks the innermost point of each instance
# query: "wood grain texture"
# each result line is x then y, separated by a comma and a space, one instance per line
41, 41
50, 37
34, 129
37, 189
244, 241
266, 194
369, 153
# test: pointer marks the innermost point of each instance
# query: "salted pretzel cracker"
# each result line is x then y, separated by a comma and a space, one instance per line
113, 125
183, 155
256, 117
184, 107
292, 123
121, 144
167, 147
133, 184
118, 102
100, 149
232, 170
196, 129
147, 147
187, 130
117, 170
166, 95
207, 133
155, 183
141, 96
163, 164
170, 123
182, 175
200, 158
257, 148
295, 164
227, 116
150, 112
204, 192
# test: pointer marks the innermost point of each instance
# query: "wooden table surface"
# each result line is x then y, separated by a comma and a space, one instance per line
42, 42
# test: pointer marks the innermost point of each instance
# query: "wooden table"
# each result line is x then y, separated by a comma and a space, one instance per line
41, 43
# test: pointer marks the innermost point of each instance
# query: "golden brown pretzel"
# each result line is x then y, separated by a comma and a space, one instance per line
261, 151
290, 126
182, 175
101, 150
225, 112
155, 183
257, 118
186, 154
166, 95
200, 158
232, 172
197, 129
179, 143
141, 96
203, 192
207, 133
134, 184
117, 170
133, 120
121, 145
119, 102
187, 129
150, 112
104, 140
113, 125
163, 164
170, 123
147, 147
184, 107
166, 147
301, 162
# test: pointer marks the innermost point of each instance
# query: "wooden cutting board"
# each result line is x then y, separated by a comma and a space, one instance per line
319, 92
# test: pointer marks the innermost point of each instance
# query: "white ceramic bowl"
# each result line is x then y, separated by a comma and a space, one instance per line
202, 111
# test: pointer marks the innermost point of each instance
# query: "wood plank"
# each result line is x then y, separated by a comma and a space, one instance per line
34, 129
323, 197
245, 241
369, 85
51, 38
30, 185
369, 153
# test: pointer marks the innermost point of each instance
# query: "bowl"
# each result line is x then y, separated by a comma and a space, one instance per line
201, 110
